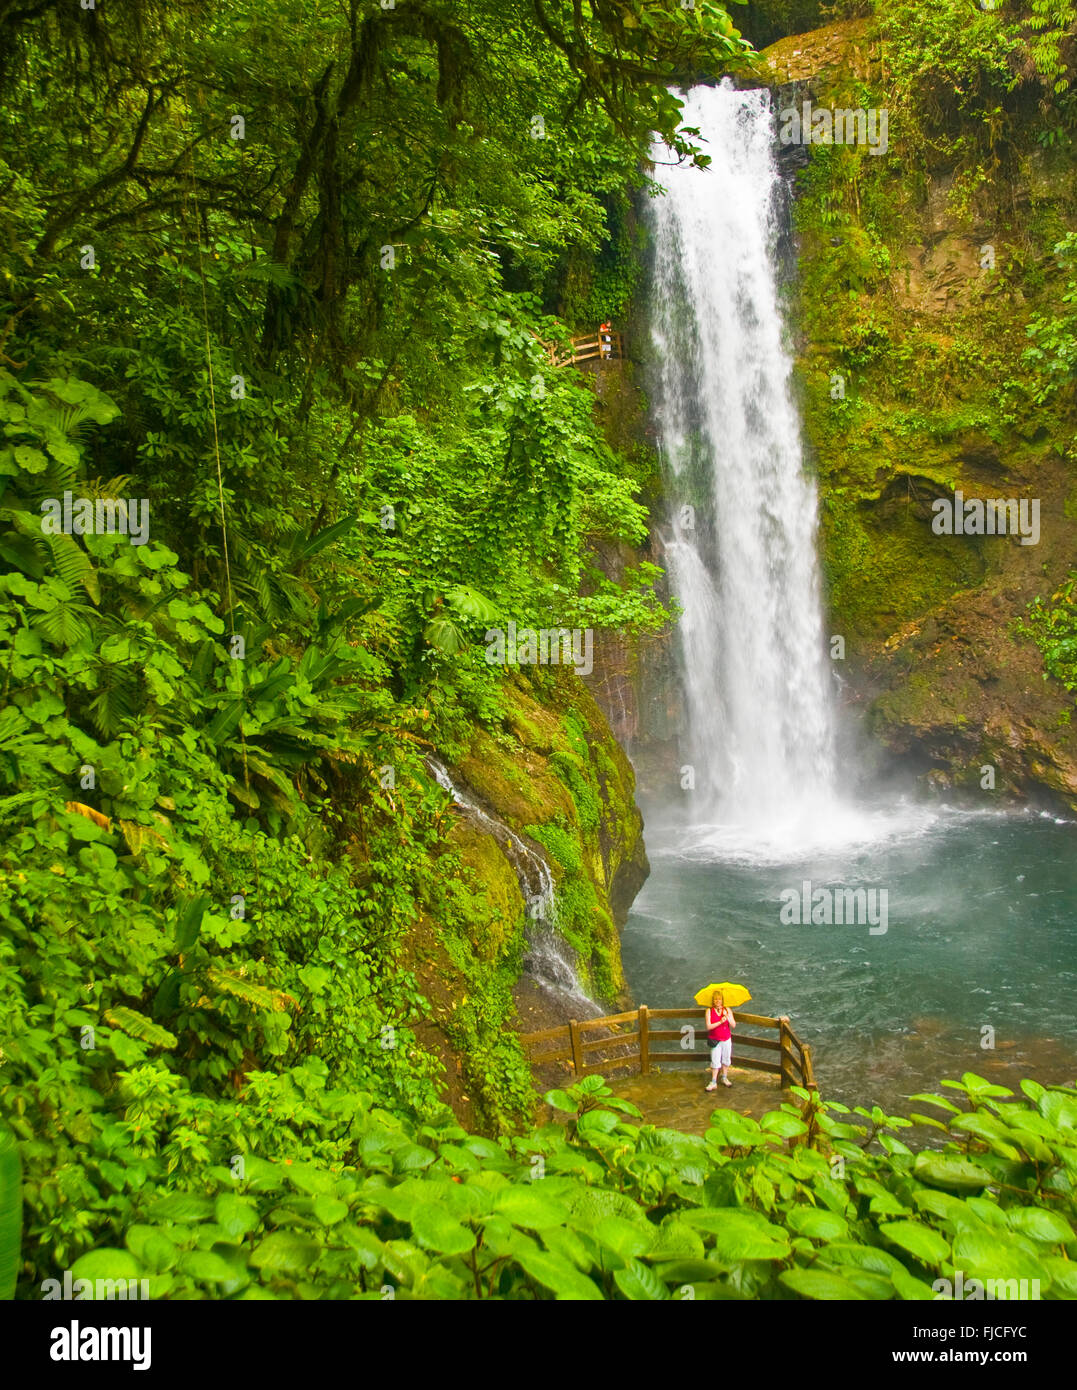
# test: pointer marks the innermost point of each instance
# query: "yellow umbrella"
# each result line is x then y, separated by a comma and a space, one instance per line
733, 995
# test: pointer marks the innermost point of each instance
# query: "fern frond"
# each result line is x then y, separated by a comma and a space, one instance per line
136, 1025
138, 836
73, 565
118, 487
65, 624
79, 808
274, 1000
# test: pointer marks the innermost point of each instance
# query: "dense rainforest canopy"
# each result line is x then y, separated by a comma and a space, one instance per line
278, 283
281, 273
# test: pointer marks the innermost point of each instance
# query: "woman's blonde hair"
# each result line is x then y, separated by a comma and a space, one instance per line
717, 994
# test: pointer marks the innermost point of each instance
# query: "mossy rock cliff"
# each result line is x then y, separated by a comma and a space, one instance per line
551, 772
918, 273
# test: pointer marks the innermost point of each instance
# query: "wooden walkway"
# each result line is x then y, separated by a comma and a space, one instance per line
678, 1100
611, 1044
599, 345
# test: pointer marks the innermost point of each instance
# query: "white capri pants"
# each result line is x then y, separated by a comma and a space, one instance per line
721, 1053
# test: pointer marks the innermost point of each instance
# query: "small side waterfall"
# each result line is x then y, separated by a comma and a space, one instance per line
741, 548
546, 960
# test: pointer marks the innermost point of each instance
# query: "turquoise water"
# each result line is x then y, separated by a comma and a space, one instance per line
981, 933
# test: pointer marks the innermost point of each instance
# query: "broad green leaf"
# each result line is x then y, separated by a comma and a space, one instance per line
558, 1275
818, 1284
987, 1128
676, 1240
1063, 1275
185, 1207
919, 1119
205, 1265
786, 1126
1059, 1110
561, 1241
528, 1206
990, 1213
624, 1238
444, 634
260, 1175
868, 1257
32, 460
236, 1215
1048, 1227
598, 1122
691, 1271
286, 1252
589, 1204
951, 1173
740, 1235
412, 1158
943, 1104
473, 604
987, 1255
886, 1204
307, 1177
438, 1230
140, 1239
909, 1288
817, 1224
106, 1263
979, 1086
329, 1210
877, 1287
640, 1283
920, 1241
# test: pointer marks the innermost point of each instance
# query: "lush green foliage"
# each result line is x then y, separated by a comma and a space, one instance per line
10, 1211
1052, 625
962, 69
812, 1201
929, 332
283, 275
1053, 350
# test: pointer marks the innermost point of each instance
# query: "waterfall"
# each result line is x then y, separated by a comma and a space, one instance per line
740, 548
546, 961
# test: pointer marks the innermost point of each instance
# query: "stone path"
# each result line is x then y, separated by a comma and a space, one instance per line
675, 1099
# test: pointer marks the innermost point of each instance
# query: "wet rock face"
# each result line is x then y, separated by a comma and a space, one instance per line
552, 792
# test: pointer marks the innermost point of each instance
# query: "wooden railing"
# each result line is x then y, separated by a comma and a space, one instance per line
625, 1048
586, 347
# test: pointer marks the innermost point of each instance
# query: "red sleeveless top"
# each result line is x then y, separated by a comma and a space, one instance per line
719, 1025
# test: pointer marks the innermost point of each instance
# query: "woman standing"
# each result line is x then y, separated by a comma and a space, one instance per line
720, 1022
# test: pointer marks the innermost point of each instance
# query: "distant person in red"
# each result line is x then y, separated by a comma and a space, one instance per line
720, 1022
605, 341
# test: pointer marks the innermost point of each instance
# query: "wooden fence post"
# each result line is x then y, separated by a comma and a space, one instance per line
809, 1070
786, 1054
644, 1041
577, 1051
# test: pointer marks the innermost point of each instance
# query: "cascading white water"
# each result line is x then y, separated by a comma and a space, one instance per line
741, 556
546, 960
